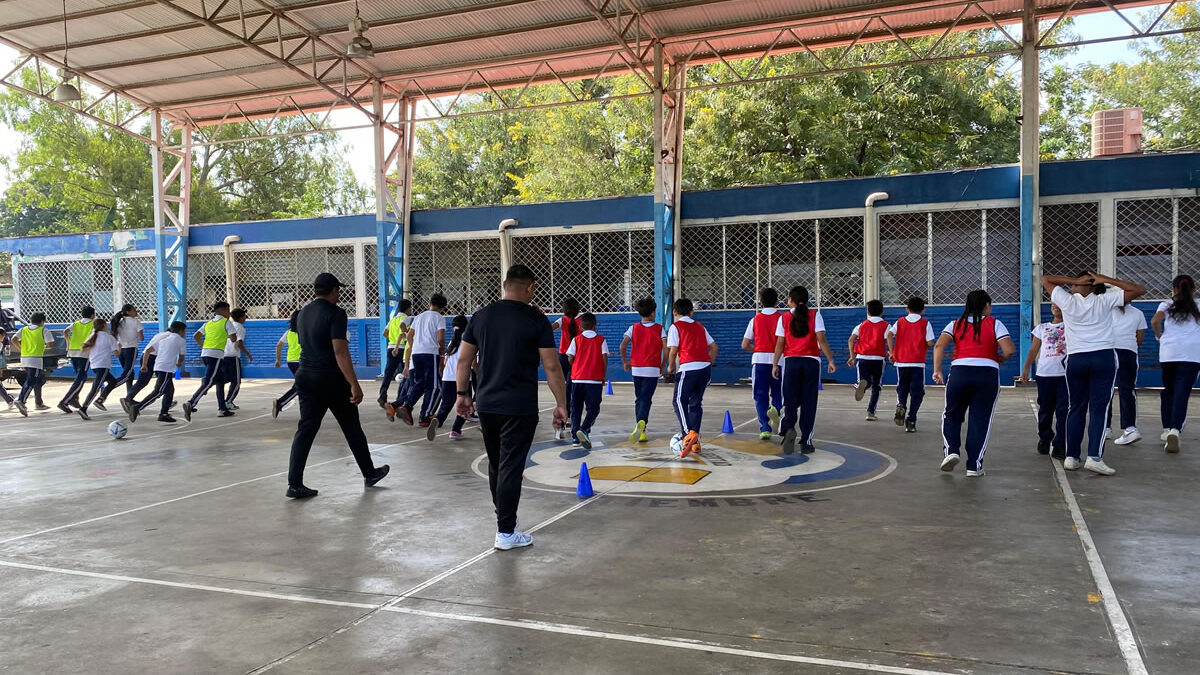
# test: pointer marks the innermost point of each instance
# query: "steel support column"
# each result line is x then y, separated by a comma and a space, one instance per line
172, 218
393, 192
1031, 217
668, 155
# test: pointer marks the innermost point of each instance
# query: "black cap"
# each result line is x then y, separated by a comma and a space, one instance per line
327, 282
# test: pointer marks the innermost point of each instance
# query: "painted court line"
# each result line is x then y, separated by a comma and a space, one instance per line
1112, 605
541, 626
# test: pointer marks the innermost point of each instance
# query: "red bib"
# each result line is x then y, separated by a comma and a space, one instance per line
967, 346
564, 340
870, 339
693, 343
589, 360
647, 346
911, 343
800, 346
764, 332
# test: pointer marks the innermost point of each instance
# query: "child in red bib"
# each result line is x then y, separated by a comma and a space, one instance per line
569, 325
691, 351
645, 361
868, 350
588, 355
800, 341
909, 340
760, 339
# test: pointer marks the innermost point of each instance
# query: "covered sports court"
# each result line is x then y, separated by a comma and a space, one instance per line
174, 550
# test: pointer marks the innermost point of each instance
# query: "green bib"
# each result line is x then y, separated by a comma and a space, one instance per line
216, 333
293, 345
80, 332
396, 327
33, 342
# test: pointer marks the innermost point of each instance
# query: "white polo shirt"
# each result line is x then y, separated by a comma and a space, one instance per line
101, 353
1088, 319
127, 332
1125, 326
1180, 339
425, 332
236, 331
167, 352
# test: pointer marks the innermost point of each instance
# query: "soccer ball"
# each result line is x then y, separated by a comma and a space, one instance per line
117, 430
677, 444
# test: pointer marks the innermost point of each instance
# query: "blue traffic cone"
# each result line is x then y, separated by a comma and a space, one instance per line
584, 491
727, 426
608, 391
820, 384
178, 375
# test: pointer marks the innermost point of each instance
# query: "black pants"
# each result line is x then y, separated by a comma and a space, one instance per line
801, 377
80, 364
910, 390
391, 367
319, 393
871, 370
128, 354
1178, 379
447, 397
643, 392
971, 394
164, 388
97, 384
212, 376
1052, 402
291, 392
424, 384
585, 395
1127, 372
143, 378
565, 362
4, 395
34, 379
231, 375
507, 439
1091, 377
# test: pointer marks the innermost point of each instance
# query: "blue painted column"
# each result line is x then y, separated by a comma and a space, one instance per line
1030, 154
668, 158
392, 209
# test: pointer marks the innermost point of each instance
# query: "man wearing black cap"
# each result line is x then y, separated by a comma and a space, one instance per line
326, 381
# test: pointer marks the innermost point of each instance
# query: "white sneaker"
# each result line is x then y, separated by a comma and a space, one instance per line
1131, 435
506, 542
1163, 436
1098, 466
1172, 441
1108, 433
974, 474
1072, 464
950, 462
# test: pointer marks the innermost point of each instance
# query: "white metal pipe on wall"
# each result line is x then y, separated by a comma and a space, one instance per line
230, 268
871, 246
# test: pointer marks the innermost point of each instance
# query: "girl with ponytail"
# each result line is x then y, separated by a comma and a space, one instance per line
981, 344
1177, 325
127, 329
1087, 310
449, 388
569, 325
800, 342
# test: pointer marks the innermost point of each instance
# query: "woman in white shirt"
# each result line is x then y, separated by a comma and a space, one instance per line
1091, 358
101, 347
127, 328
1177, 326
1129, 329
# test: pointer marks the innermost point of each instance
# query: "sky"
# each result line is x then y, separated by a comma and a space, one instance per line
361, 152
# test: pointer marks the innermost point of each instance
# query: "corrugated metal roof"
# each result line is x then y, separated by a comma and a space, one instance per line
167, 58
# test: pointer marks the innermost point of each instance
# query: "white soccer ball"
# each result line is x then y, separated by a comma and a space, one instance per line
677, 444
117, 430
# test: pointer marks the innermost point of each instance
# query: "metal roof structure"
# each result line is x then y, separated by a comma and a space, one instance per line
202, 62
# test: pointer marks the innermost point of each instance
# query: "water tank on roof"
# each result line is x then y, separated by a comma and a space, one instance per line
1116, 132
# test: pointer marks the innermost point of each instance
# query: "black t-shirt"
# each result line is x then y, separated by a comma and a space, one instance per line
509, 335
319, 323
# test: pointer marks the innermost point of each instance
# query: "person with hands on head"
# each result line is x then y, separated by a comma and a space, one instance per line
511, 338
1087, 310
326, 382
799, 343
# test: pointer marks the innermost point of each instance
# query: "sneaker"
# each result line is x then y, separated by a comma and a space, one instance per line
691, 443
456, 436
861, 390
974, 474
232, 406
871, 417
898, 418
1096, 465
1163, 436
1108, 434
41, 406
167, 419
383, 402
910, 427
574, 441
133, 413
99, 405
807, 448
188, 408
1058, 453
423, 424
1072, 464
764, 436
390, 409
1172, 442
950, 461
83, 413
377, 476
405, 414
300, 492
789, 442
21, 408
432, 429
507, 542
1131, 435
639, 431
65, 408
643, 438
174, 404
275, 408
773, 417
586, 441
1043, 448
226, 413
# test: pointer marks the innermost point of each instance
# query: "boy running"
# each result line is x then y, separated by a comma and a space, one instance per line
588, 356
691, 351
909, 340
167, 355
427, 337
212, 338
869, 352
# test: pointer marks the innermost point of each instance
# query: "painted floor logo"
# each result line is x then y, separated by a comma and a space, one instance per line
726, 466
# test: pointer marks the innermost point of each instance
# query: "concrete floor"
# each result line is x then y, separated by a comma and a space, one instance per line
175, 551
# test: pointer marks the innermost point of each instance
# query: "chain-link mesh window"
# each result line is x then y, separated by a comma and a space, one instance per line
466, 271
205, 283
1144, 232
371, 274
703, 273
744, 259
1189, 237
271, 284
839, 247
957, 250
139, 285
904, 257
1069, 238
792, 255
604, 271
60, 288
1002, 248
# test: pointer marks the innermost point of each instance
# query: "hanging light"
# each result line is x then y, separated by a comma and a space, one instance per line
360, 47
66, 92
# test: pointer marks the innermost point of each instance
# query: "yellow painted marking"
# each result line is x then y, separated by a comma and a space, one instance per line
621, 473
678, 475
1094, 597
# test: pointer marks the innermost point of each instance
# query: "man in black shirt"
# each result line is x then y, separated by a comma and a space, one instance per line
511, 338
326, 381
